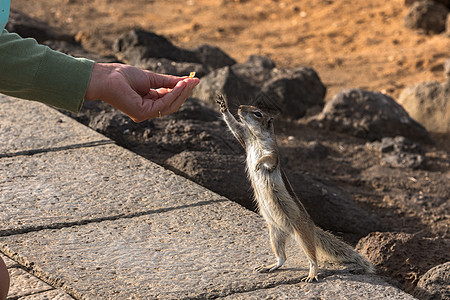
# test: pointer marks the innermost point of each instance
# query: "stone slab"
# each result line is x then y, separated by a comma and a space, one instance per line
49, 295
23, 284
8, 261
28, 126
191, 252
79, 185
186, 252
344, 286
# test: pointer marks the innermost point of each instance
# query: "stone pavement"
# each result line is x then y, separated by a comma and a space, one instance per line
83, 218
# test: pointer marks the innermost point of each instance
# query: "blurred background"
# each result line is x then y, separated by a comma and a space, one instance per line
362, 44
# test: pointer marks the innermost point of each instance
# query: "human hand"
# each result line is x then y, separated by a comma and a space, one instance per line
138, 93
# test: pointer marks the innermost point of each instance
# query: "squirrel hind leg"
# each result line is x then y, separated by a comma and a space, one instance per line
312, 272
272, 267
278, 242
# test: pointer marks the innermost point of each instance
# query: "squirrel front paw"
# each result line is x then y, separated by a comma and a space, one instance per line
222, 103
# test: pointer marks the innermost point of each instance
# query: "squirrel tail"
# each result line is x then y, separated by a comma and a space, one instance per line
337, 250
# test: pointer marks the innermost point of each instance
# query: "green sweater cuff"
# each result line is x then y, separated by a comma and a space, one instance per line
62, 80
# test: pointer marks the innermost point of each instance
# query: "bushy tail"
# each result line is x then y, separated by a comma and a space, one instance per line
337, 250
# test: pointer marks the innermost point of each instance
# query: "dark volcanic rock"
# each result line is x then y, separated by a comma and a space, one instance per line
434, 284
404, 257
295, 91
224, 81
137, 46
368, 115
212, 56
256, 70
427, 15
291, 92
166, 66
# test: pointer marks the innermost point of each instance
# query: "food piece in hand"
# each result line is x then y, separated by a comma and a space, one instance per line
192, 75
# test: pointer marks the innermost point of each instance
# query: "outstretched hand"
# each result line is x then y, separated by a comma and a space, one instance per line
138, 93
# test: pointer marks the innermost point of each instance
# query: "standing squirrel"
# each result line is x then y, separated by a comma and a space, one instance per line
278, 204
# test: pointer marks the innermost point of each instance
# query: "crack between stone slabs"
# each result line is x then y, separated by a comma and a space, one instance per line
56, 282
30, 294
50, 279
56, 149
293, 281
60, 225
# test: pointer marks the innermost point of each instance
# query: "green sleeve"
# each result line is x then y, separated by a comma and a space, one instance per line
36, 72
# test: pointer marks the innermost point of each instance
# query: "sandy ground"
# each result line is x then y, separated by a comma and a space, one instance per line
359, 44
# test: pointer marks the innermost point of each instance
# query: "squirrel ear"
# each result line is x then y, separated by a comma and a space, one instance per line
269, 123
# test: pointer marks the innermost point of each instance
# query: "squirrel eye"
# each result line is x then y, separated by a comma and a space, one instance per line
257, 114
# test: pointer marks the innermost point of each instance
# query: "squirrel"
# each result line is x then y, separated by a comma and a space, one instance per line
277, 203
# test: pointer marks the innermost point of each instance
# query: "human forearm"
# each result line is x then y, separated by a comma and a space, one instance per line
35, 72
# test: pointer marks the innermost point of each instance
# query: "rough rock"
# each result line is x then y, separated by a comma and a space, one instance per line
224, 81
295, 91
398, 152
427, 15
212, 56
434, 284
166, 66
429, 104
443, 2
256, 70
402, 256
369, 115
137, 46
291, 92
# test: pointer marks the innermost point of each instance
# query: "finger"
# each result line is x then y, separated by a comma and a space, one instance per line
158, 93
175, 104
185, 93
161, 80
160, 105
170, 99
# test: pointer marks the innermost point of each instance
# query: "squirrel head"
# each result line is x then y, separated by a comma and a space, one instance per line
259, 122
